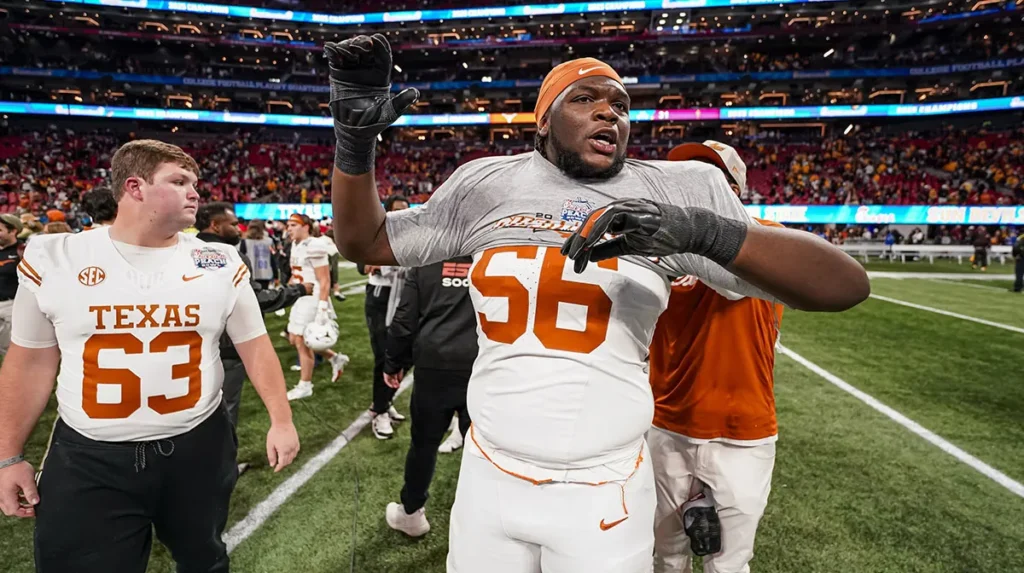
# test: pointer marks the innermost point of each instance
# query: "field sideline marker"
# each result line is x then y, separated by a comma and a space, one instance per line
951, 314
931, 437
259, 514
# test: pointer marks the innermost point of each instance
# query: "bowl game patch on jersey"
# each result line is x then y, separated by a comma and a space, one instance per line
576, 210
209, 258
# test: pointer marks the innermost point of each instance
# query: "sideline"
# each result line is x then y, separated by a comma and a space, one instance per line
931, 437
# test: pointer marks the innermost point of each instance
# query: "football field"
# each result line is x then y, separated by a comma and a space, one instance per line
901, 447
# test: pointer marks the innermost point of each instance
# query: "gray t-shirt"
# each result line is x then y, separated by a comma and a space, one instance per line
560, 385
526, 200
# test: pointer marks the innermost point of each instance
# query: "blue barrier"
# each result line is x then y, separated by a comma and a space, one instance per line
793, 214
637, 115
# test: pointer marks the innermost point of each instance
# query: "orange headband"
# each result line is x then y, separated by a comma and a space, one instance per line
298, 219
566, 74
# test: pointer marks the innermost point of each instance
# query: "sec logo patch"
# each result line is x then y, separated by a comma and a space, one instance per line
91, 276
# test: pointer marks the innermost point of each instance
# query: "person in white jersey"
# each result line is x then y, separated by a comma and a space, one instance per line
133, 313
309, 264
556, 476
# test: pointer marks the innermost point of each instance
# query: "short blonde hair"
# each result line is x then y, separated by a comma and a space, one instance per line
142, 158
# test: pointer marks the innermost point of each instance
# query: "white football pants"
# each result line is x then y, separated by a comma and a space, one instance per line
740, 477
504, 524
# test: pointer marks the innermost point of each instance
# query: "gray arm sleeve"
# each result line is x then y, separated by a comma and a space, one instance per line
434, 231
715, 194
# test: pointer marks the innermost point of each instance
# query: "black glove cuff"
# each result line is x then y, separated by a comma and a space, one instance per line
710, 235
353, 155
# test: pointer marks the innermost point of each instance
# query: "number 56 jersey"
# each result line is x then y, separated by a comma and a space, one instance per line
140, 354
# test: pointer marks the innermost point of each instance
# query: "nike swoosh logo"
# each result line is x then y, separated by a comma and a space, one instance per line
186, 279
607, 526
585, 70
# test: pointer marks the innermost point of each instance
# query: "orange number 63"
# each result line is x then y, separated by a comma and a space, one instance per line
130, 383
551, 290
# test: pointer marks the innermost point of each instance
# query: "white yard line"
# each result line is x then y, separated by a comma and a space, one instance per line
972, 285
346, 265
263, 510
353, 284
931, 437
950, 314
949, 275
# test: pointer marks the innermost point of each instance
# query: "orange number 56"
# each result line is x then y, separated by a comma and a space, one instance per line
130, 383
551, 290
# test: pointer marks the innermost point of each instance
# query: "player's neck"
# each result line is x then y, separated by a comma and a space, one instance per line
125, 231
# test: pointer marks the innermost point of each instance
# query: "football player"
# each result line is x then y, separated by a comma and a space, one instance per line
310, 264
712, 361
556, 475
132, 313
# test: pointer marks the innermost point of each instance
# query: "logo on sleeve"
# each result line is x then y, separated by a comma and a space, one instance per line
208, 258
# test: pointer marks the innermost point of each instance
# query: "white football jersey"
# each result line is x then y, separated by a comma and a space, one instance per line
561, 378
306, 256
140, 352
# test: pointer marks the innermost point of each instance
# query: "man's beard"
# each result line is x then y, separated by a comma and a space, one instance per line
572, 164
233, 241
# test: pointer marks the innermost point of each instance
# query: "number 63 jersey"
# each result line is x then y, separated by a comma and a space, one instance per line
140, 354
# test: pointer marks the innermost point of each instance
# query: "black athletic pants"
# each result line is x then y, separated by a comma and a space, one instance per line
436, 396
981, 257
376, 316
234, 381
1018, 270
99, 501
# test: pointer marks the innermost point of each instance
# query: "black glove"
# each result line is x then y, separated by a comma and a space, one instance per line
650, 229
361, 100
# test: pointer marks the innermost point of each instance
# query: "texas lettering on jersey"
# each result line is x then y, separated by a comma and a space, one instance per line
139, 350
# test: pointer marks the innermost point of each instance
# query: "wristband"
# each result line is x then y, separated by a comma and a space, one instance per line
12, 461
323, 306
710, 235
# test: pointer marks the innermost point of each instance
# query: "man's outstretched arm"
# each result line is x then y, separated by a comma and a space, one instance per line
797, 268
803, 271
362, 107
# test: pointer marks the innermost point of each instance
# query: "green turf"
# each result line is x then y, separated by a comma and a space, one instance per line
852, 490
999, 306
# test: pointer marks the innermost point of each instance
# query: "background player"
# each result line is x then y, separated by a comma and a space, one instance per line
133, 314
561, 398
310, 264
712, 363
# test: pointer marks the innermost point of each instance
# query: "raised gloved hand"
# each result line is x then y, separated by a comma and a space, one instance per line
361, 101
650, 229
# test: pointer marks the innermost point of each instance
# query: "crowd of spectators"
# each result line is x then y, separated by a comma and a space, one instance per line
48, 171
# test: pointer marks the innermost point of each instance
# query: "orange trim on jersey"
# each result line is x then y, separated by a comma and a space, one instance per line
240, 274
621, 483
31, 270
29, 273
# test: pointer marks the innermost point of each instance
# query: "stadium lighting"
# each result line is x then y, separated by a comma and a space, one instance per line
398, 68
486, 79
465, 65
848, 129
829, 53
